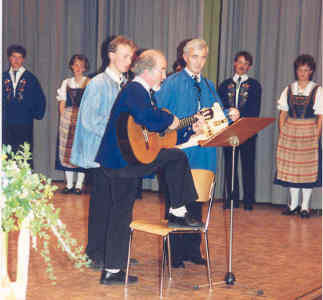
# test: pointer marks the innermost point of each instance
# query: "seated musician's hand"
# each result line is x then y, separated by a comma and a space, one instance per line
234, 114
199, 124
175, 123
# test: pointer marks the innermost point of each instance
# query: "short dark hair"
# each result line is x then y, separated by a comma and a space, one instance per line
120, 40
80, 57
246, 55
16, 48
304, 59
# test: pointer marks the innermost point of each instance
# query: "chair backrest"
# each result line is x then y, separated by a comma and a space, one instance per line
205, 186
203, 182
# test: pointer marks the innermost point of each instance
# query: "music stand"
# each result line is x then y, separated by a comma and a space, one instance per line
233, 136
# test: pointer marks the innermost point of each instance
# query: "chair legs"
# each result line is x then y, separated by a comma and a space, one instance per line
169, 258
166, 244
208, 258
129, 255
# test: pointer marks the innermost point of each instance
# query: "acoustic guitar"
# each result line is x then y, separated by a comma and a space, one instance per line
138, 145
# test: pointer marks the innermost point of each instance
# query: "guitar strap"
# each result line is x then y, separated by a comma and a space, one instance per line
212, 92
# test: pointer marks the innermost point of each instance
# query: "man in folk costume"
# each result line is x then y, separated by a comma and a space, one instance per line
93, 117
244, 93
185, 93
23, 100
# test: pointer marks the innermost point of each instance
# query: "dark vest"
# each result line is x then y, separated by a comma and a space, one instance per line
301, 107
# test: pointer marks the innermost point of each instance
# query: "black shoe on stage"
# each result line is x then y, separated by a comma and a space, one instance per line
305, 214
179, 264
119, 278
77, 191
288, 212
198, 260
66, 190
248, 206
183, 222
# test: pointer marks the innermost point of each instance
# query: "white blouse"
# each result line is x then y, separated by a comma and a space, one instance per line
296, 90
71, 82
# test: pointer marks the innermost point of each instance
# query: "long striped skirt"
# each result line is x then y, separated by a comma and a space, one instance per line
66, 135
298, 154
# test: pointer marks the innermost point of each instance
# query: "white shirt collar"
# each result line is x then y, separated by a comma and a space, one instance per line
73, 84
115, 77
244, 77
306, 91
193, 75
143, 83
19, 71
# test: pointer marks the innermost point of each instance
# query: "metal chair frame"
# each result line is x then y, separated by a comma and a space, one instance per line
166, 242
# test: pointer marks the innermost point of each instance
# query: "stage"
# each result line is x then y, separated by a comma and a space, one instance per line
275, 257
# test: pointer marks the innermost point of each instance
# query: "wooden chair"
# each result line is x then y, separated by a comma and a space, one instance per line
205, 186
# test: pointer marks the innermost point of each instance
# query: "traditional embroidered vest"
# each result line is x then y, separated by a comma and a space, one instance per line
301, 107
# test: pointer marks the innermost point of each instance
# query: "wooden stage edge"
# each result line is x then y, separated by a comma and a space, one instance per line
274, 257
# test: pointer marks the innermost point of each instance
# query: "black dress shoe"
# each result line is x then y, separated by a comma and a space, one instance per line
66, 190
198, 260
178, 264
305, 214
119, 278
77, 191
183, 222
287, 211
248, 206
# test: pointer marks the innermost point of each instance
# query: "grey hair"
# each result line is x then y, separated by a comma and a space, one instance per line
146, 61
197, 44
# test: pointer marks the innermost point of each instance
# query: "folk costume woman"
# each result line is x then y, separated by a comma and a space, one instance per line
300, 124
69, 96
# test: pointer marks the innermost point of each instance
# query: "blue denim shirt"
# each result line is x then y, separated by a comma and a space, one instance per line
93, 117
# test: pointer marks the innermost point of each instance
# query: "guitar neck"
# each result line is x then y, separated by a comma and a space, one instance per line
186, 122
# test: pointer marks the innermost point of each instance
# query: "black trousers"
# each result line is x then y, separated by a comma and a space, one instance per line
247, 153
123, 190
16, 135
98, 215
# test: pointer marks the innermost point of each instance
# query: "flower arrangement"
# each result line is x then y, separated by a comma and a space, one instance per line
26, 194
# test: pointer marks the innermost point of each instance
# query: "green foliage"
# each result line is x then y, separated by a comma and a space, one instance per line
28, 194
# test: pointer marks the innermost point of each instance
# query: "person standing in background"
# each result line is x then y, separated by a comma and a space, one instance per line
69, 97
244, 93
299, 152
93, 117
23, 101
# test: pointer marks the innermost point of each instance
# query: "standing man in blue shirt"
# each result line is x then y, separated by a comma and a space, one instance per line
93, 117
185, 93
244, 93
23, 100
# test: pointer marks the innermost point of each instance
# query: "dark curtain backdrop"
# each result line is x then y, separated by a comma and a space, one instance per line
51, 31
275, 32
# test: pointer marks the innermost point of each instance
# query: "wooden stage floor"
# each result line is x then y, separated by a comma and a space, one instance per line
274, 258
